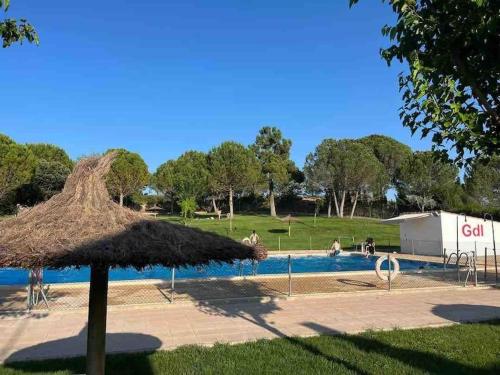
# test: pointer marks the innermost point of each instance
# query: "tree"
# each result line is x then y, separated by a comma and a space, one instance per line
4, 140
191, 175
391, 153
339, 168
482, 182
320, 171
452, 88
273, 153
188, 207
14, 31
232, 169
163, 181
425, 180
49, 177
52, 167
17, 165
128, 174
50, 153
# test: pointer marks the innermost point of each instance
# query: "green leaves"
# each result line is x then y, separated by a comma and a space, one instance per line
163, 179
191, 175
14, 31
232, 166
345, 165
482, 182
452, 89
273, 153
17, 164
427, 181
128, 174
4, 4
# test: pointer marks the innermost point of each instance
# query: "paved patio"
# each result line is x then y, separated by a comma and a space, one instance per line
63, 333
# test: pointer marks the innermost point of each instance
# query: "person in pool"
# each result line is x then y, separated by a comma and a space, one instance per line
335, 249
370, 246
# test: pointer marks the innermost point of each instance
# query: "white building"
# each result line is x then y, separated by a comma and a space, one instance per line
429, 233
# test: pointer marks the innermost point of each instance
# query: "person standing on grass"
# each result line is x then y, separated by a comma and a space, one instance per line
254, 238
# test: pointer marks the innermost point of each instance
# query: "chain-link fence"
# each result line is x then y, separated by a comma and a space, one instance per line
280, 275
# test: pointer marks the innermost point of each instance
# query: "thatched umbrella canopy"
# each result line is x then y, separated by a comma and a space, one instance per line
82, 226
289, 219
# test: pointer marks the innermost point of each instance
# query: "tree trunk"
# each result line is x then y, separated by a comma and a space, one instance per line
214, 204
336, 204
171, 203
329, 205
121, 199
354, 204
231, 209
271, 199
96, 329
342, 203
271, 204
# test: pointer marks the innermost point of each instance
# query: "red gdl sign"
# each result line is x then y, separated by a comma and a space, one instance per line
476, 231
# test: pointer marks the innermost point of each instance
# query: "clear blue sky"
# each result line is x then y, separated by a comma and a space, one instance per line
160, 77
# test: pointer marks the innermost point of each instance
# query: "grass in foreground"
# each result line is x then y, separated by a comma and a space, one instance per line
305, 233
459, 349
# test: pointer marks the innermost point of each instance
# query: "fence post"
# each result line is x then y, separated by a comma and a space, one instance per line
475, 268
172, 292
279, 243
458, 266
444, 264
389, 267
412, 248
496, 265
310, 243
289, 275
485, 262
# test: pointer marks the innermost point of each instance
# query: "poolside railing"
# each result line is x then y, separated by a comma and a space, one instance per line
251, 281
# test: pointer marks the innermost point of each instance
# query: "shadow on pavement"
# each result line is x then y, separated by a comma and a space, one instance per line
74, 347
462, 313
260, 314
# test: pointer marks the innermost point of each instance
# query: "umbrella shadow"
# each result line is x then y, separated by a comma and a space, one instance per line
72, 348
427, 362
278, 230
260, 313
463, 313
357, 283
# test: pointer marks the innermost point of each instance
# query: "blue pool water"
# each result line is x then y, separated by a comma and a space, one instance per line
272, 265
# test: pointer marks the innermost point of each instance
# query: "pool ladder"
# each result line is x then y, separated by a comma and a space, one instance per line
470, 264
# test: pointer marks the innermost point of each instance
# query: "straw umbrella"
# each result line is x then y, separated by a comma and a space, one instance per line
82, 226
289, 218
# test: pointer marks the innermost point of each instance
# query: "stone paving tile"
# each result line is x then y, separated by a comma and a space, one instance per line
63, 333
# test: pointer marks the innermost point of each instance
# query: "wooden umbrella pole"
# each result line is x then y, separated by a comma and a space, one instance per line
96, 331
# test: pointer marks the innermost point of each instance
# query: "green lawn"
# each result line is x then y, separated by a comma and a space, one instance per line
459, 349
305, 234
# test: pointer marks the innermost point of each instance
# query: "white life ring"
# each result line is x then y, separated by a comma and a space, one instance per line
384, 275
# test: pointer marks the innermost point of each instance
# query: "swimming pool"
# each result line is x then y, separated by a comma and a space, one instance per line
270, 266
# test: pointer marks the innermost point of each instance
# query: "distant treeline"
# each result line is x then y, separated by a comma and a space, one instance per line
346, 177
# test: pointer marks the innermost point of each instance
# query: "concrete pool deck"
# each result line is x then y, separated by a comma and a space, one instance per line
54, 334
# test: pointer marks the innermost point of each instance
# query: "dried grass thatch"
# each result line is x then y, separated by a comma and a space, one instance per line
288, 218
83, 226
